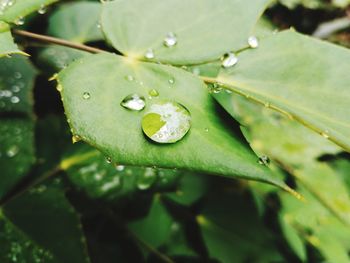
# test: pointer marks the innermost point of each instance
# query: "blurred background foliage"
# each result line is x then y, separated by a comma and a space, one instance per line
64, 202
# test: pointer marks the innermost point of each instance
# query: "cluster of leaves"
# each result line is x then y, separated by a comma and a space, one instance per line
115, 195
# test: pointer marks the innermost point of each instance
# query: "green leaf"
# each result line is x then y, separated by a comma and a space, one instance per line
44, 216
92, 105
316, 225
310, 85
11, 13
76, 22
233, 231
7, 46
205, 29
155, 228
16, 151
17, 76
56, 58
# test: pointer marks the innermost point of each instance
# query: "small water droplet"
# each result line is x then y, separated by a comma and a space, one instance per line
86, 95
147, 179
98, 25
153, 93
129, 78
253, 42
215, 88
229, 60
196, 71
15, 88
42, 10
206, 130
108, 159
120, 168
14, 99
19, 21
134, 102
166, 122
12, 151
171, 81
267, 104
170, 40
325, 134
149, 53
264, 160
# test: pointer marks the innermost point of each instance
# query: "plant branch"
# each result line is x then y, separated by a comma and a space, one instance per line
57, 41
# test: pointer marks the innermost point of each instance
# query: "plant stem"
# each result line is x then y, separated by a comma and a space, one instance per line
57, 41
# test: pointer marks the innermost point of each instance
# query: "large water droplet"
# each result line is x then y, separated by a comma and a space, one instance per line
253, 42
264, 160
166, 122
146, 180
86, 95
149, 53
170, 40
134, 102
229, 60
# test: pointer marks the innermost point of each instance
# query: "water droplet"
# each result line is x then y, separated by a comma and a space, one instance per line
170, 40
15, 99
19, 21
166, 122
12, 151
206, 130
267, 104
120, 168
115, 182
229, 60
215, 88
146, 180
134, 102
86, 95
108, 159
253, 42
42, 10
129, 78
325, 134
149, 53
171, 81
153, 93
264, 160
98, 25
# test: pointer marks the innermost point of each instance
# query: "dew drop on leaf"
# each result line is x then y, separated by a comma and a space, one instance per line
129, 78
153, 93
108, 159
19, 21
134, 102
120, 168
171, 81
86, 95
170, 40
229, 60
149, 53
264, 160
147, 179
253, 42
42, 10
166, 122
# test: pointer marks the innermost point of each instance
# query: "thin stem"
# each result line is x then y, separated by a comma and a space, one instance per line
57, 41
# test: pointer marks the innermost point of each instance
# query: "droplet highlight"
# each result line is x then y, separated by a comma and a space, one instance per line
253, 42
